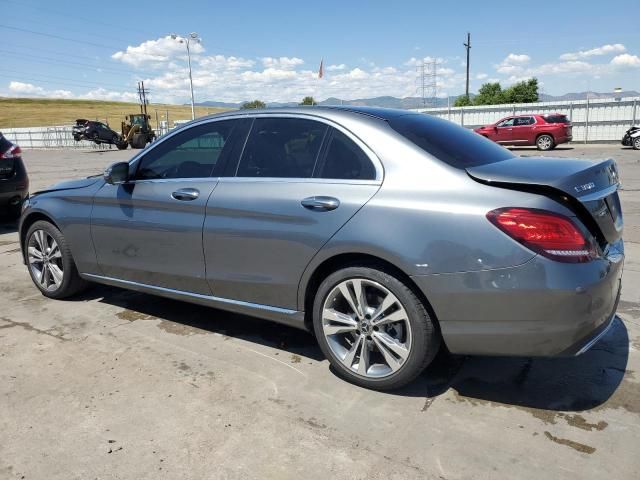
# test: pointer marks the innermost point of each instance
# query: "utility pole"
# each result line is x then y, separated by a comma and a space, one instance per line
428, 81
468, 47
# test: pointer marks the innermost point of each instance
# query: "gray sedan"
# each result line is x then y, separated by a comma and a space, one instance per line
386, 233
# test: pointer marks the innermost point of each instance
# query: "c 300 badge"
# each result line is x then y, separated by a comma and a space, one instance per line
585, 187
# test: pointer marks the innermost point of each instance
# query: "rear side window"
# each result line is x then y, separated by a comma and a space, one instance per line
523, 121
448, 142
282, 148
556, 119
4, 144
345, 160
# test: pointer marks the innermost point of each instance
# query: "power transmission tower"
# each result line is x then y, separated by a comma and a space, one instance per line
468, 47
428, 81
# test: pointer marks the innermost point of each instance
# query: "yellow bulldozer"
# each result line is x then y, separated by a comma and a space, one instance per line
136, 131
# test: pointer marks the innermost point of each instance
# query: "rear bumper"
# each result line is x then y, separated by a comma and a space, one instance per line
10, 197
541, 308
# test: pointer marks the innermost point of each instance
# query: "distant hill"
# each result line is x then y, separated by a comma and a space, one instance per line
416, 102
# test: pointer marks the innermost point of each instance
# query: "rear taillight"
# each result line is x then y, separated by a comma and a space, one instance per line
550, 234
13, 152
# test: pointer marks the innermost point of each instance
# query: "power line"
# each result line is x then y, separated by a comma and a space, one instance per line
64, 83
59, 37
46, 60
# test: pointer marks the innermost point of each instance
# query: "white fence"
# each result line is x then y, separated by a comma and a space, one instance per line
56, 137
593, 120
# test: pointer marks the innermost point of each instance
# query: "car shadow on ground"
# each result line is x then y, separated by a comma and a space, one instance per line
8, 225
196, 318
535, 149
559, 384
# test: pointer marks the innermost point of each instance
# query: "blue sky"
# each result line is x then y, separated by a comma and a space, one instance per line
271, 50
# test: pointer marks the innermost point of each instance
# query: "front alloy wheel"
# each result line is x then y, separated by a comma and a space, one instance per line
366, 327
45, 260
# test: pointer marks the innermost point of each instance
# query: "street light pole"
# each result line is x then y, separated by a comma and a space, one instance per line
186, 39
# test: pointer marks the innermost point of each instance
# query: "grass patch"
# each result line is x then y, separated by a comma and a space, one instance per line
41, 112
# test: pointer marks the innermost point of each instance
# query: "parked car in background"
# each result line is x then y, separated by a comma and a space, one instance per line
543, 131
632, 137
386, 233
14, 182
96, 132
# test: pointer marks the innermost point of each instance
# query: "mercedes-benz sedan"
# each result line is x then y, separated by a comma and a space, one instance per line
386, 233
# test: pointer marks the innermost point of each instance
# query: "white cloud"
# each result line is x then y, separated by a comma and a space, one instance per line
603, 50
513, 64
103, 94
156, 52
334, 68
30, 90
517, 59
626, 61
415, 62
481, 76
286, 63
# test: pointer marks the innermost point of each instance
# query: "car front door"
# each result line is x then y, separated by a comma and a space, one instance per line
264, 225
149, 230
504, 131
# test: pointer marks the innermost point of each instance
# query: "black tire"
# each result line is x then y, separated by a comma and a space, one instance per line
545, 142
71, 283
122, 145
138, 141
425, 341
636, 143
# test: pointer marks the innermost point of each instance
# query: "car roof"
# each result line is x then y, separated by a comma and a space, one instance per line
323, 111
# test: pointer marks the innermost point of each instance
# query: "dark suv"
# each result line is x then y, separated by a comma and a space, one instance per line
96, 132
543, 131
14, 182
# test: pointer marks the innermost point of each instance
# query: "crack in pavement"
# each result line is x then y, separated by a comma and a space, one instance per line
31, 328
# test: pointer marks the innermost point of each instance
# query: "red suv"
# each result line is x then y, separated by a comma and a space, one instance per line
543, 131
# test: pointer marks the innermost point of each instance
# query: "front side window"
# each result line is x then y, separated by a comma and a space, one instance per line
192, 153
346, 160
506, 123
282, 148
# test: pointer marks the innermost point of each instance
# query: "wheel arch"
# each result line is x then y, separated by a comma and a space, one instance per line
343, 260
25, 225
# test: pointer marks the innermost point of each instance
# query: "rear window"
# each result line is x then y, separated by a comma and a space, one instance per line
448, 142
556, 119
4, 144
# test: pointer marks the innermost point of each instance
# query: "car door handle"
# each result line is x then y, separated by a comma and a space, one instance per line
186, 194
320, 203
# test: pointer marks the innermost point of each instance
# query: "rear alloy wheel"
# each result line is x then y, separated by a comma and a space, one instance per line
545, 142
636, 143
51, 266
373, 329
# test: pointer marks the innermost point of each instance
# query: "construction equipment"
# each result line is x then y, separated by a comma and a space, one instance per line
136, 129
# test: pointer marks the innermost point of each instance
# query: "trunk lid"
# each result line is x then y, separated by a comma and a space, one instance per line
588, 187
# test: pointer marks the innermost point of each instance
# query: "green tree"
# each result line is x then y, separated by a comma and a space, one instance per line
489, 94
254, 104
308, 101
522, 92
462, 101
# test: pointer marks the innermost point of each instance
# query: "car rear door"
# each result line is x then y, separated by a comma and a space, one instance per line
522, 130
265, 224
149, 230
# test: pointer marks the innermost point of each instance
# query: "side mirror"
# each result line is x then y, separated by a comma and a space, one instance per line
117, 173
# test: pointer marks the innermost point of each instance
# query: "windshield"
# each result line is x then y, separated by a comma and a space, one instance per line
454, 145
